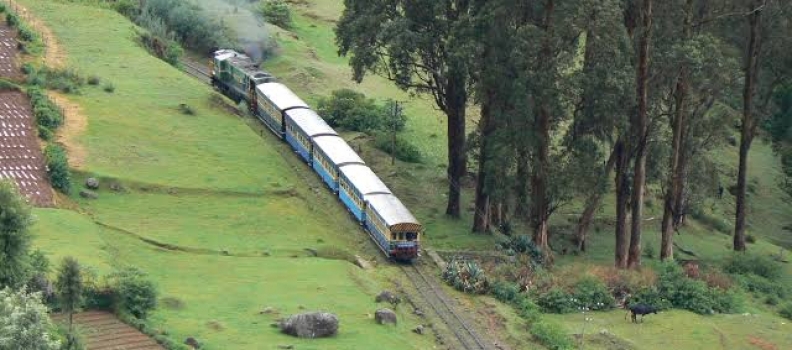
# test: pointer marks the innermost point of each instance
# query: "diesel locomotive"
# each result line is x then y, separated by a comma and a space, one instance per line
389, 223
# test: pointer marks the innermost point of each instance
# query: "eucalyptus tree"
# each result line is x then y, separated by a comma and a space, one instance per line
696, 70
763, 27
421, 46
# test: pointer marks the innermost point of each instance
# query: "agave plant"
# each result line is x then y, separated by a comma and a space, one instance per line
466, 276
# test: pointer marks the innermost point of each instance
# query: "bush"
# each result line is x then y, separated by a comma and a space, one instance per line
557, 301
522, 245
649, 250
94, 80
277, 12
136, 294
109, 87
401, 149
760, 265
526, 308
12, 20
750, 238
351, 110
186, 109
65, 80
726, 302
591, 293
650, 296
48, 115
551, 336
183, 22
786, 311
505, 292
58, 168
466, 276
761, 286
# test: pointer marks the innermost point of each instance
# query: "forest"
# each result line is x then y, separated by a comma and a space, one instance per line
579, 99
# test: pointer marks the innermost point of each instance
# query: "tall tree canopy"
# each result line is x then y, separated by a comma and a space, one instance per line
420, 45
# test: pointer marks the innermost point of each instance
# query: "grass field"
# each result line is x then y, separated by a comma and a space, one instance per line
238, 194
206, 185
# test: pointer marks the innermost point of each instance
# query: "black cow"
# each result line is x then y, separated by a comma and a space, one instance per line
640, 309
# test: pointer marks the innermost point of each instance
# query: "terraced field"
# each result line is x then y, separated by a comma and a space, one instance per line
103, 331
20, 154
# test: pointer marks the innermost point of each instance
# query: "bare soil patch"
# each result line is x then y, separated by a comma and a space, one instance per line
103, 331
74, 125
20, 154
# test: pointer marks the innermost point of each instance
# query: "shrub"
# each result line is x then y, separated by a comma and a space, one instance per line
353, 111
526, 308
136, 294
94, 80
65, 80
522, 245
109, 87
557, 301
772, 300
186, 109
649, 250
551, 336
761, 286
624, 281
650, 296
277, 12
749, 238
401, 149
58, 167
183, 22
466, 276
786, 311
726, 302
48, 115
591, 293
2, 8
12, 20
505, 291
760, 265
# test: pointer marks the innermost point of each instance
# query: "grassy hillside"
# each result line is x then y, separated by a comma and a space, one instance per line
227, 203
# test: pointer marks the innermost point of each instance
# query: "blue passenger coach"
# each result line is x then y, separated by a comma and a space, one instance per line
330, 153
302, 125
392, 226
274, 100
356, 182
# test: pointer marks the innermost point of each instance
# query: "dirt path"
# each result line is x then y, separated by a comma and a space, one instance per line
103, 331
54, 56
75, 122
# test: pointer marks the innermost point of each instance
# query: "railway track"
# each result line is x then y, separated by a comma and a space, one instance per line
430, 292
196, 70
440, 303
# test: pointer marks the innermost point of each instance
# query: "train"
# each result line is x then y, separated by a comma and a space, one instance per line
388, 222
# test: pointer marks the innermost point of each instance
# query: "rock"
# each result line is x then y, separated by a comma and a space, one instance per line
286, 347
88, 194
389, 297
268, 310
92, 183
418, 312
362, 263
116, 187
419, 330
310, 325
383, 316
192, 342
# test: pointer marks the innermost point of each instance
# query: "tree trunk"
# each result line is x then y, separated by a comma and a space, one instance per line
676, 176
521, 209
640, 135
540, 201
622, 193
748, 122
457, 100
592, 204
481, 220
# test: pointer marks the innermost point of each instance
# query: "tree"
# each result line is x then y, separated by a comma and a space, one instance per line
606, 81
767, 66
640, 135
421, 47
136, 293
15, 219
24, 323
70, 289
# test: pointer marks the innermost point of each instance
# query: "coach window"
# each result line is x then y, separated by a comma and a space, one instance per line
411, 236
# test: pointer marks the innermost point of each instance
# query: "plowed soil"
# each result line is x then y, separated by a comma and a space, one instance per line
103, 331
20, 154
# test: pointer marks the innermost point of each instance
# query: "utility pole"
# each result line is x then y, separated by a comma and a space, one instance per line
393, 131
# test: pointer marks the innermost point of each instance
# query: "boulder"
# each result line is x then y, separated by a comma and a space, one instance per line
92, 183
310, 325
389, 297
383, 316
88, 194
419, 330
192, 342
268, 310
